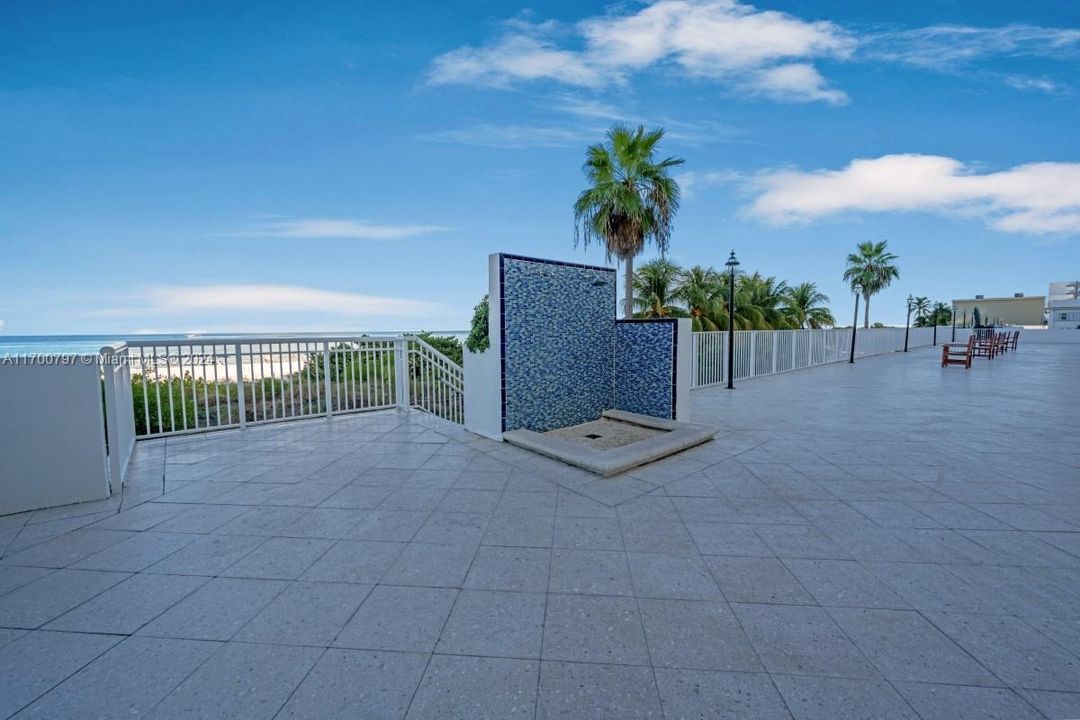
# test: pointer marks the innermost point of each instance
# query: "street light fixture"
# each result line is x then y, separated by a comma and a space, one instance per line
732, 265
854, 323
953, 323
907, 323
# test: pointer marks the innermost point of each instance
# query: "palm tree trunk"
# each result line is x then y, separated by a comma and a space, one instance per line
866, 310
628, 287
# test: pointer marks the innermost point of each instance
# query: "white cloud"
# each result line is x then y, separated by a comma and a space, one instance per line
1033, 198
323, 228
1031, 84
215, 299
511, 58
722, 40
516, 136
798, 82
761, 52
692, 180
1, 325
943, 47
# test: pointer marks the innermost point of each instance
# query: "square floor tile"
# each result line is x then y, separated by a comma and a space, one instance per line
598, 692
494, 624
280, 558
905, 647
240, 681
127, 606
590, 628
844, 583
697, 694
399, 618
588, 533
592, 572
354, 561
45, 599
431, 565
672, 576
520, 531
126, 681
474, 687
391, 525
216, 611
351, 684
306, 613
33, 663
826, 698
757, 580
954, 702
509, 568
801, 640
704, 635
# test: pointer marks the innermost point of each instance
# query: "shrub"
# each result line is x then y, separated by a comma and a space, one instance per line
478, 340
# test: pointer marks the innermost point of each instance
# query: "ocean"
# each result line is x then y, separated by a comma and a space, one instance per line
11, 345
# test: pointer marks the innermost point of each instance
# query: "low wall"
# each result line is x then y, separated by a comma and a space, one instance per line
1067, 337
52, 435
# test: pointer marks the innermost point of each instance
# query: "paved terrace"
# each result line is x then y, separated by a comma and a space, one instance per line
883, 540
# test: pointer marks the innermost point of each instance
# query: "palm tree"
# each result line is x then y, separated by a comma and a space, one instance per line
807, 306
654, 289
921, 306
869, 271
631, 199
702, 290
760, 300
941, 314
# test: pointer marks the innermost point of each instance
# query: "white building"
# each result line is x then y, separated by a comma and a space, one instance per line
1063, 306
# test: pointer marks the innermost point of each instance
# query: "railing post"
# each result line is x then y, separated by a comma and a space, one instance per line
753, 352
112, 425
401, 373
326, 379
241, 401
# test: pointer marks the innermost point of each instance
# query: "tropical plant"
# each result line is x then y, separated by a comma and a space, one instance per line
478, 340
448, 345
760, 300
869, 271
654, 289
921, 307
702, 291
941, 314
806, 306
631, 199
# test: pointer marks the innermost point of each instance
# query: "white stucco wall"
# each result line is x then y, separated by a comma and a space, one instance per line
52, 436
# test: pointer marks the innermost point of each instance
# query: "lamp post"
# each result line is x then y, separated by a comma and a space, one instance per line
935, 330
953, 323
907, 323
732, 265
854, 324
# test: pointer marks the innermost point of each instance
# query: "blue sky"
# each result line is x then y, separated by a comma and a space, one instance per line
276, 166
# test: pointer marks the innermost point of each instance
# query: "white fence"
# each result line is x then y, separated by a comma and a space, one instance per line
767, 352
196, 385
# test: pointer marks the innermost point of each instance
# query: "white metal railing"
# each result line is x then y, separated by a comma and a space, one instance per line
767, 352
119, 420
438, 382
195, 385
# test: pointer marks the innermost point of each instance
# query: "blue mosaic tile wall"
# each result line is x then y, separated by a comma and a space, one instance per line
645, 362
558, 336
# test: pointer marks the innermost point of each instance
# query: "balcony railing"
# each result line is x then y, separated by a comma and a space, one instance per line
767, 352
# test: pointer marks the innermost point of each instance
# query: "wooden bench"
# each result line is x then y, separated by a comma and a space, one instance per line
958, 353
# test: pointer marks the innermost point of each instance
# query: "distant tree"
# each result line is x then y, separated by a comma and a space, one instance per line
941, 314
702, 290
806, 306
762, 299
869, 271
631, 199
921, 308
655, 283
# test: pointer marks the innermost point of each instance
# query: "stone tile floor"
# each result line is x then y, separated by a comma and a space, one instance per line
884, 540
